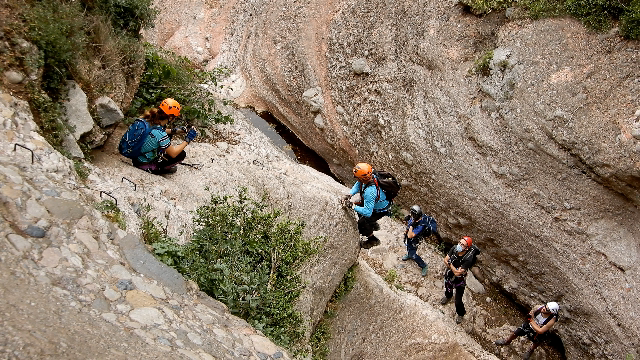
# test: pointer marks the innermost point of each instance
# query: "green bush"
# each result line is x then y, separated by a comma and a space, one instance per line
597, 15
47, 115
57, 29
538, 9
129, 16
319, 339
483, 7
168, 75
112, 212
248, 258
630, 21
82, 171
322, 333
391, 276
481, 65
345, 286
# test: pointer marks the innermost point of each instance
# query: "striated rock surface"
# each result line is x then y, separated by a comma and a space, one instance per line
537, 159
70, 277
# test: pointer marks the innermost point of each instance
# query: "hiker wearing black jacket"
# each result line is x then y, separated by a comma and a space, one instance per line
539, 321
458, 261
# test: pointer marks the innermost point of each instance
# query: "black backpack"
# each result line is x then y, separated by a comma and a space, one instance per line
385, 181
474, 251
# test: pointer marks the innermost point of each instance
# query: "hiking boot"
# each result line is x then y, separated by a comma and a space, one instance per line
424, 271
371, 242
501, 342
405, 257
444, 300
459, 319
164, 171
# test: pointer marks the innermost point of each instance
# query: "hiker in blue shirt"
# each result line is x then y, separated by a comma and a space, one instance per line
158, 156
373, 205
417, 229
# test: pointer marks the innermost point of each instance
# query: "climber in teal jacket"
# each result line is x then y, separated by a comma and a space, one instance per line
373, 204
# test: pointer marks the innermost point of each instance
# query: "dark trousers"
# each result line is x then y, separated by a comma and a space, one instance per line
412, 251
367, 224
161, 164
457, 283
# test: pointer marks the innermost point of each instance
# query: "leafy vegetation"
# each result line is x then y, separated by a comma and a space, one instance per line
481, 65
391, 276
82, 171
128, 16
47, 114
57, 29
168, 75
322, 333
245, 256
598, 15
483, 7
109, 209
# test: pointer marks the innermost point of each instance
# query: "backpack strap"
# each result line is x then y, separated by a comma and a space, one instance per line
535, 313
375, 182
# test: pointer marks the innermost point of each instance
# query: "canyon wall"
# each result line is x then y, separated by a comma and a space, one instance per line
537, 159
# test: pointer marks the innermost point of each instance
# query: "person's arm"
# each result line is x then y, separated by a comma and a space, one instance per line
414, 231
542, 329
355, 188
446, 261
456, 271
175, 150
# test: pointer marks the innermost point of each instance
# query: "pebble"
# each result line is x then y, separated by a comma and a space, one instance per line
35, 231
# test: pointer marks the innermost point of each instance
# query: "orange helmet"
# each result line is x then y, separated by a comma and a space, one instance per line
170, 107
363, 172
468, 240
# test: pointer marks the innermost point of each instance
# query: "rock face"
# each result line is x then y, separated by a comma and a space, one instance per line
418, 332
71, 278
537, 159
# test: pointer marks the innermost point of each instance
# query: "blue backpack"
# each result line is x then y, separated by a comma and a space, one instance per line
132, 140
430, 226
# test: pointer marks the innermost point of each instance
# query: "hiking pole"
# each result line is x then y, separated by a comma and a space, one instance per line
195, 166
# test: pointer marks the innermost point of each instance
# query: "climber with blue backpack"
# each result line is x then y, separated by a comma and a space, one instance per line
377, 190
419, 226
147, 141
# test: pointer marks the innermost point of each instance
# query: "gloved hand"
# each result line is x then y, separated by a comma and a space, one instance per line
191, 135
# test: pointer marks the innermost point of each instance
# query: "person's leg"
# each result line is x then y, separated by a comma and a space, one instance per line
508, 340
167, 161
528, 354
448, 291
364, 226
460, 310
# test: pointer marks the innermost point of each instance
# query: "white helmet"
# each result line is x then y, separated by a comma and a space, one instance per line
553, 307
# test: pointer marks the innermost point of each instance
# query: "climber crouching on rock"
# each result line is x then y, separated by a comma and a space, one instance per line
156, 154
373, 206
539, 321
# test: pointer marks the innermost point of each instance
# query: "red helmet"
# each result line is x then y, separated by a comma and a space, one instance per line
363, 172
468, 240
170, 107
